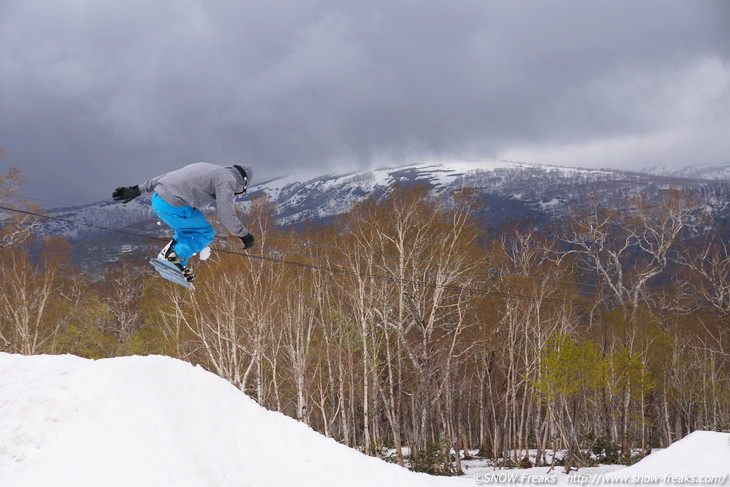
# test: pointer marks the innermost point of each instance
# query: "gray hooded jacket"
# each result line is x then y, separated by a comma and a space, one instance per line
202, 184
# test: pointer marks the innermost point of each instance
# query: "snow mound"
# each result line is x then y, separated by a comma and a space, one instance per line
156, 421
696, 457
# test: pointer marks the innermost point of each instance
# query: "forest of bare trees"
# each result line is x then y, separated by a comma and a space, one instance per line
403, 327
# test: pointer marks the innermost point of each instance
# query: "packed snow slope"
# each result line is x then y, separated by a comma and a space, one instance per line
157, 421
700, 457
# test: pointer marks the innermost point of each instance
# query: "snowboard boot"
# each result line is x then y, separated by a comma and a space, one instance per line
168, 254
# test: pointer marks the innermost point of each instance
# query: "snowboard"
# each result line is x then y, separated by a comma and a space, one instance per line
169, 271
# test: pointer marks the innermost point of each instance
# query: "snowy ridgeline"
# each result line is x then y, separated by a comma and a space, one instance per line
156, 421
545, 189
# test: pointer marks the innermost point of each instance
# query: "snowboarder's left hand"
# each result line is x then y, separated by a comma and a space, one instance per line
125, 195
247, 241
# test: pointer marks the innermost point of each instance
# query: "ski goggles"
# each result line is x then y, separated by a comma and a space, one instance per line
245, 178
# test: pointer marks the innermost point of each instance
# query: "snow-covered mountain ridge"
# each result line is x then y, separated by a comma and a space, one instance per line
510, 191
330, 195
719, 173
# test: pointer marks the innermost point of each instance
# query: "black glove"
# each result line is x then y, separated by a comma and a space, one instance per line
125, 195
247, 241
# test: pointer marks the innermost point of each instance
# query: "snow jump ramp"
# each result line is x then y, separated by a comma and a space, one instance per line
155, 421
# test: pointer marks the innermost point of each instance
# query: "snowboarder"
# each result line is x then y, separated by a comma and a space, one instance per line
176, 199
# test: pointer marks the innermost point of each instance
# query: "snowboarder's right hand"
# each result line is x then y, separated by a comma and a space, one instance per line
247, 241
127, 194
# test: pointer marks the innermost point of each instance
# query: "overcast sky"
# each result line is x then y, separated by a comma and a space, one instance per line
96, 94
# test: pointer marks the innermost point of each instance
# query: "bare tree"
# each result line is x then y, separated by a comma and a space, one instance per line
123, 288
15, 227
535, 305
712, 266
27, 290
627, 247
417, 257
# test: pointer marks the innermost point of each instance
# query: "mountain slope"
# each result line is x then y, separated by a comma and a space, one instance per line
330, 195
720, 172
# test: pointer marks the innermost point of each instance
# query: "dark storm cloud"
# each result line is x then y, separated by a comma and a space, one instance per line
101, 93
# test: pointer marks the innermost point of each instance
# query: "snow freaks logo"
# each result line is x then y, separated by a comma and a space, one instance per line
600, 479
515, 478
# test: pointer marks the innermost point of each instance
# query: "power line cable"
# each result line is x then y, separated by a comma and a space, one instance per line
427, 261
80, 223
317, 267
329, 258
426, 272
302, 264
498, 272
452, 287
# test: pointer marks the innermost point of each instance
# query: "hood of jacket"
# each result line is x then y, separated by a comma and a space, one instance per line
239, 177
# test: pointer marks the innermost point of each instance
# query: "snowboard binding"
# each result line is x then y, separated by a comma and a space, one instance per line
168, 253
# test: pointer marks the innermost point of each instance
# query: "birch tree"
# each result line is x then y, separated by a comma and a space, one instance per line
15, 228
27, 291
626, 247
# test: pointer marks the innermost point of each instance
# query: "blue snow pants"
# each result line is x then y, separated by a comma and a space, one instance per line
192, 231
